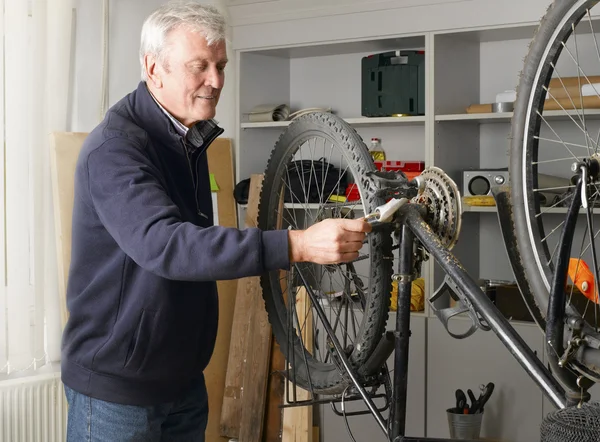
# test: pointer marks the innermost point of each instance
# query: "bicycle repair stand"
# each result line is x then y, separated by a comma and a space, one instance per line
410, 224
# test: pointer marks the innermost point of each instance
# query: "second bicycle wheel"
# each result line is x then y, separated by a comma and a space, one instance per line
298, 191
554, 127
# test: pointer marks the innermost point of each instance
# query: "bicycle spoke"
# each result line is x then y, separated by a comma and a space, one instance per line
560, 142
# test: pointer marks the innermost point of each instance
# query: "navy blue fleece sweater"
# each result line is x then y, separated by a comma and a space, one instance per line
141, 293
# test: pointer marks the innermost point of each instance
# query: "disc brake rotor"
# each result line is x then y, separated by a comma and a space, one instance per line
442, 198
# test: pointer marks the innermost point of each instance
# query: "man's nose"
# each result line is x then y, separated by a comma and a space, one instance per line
215, 78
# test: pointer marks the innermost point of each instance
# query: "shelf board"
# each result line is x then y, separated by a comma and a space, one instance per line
491, 34
493, 209
486, 117
373, 46
265, 124
479, 209
505, 117
313, 206
359, 121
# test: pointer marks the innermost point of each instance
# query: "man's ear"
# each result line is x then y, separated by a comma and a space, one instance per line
152, 70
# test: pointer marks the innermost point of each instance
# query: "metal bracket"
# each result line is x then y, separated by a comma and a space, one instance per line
404, 278
462, 306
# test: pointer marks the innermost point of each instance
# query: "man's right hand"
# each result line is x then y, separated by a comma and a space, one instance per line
330, 241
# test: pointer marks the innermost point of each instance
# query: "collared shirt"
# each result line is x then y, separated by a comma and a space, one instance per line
195, 136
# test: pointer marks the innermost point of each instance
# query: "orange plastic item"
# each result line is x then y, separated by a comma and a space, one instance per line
583, 278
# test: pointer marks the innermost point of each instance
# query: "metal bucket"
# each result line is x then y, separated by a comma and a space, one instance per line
464, 426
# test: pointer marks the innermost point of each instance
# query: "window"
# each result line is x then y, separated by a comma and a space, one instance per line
35, 76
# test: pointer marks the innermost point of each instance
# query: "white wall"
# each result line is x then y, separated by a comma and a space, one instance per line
246, 12
281, 22
125, 23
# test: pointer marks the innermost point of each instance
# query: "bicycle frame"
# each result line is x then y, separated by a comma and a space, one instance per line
409, 223
413, 227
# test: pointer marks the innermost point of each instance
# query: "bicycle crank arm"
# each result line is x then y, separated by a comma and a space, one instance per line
411, 216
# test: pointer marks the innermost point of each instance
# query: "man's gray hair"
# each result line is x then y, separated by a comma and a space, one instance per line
205, 19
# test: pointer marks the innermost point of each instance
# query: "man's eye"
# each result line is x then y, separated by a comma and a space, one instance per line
221, 68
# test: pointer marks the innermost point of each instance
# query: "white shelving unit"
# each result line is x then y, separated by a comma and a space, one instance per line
361, 121
549, 210
326, 75
504, 117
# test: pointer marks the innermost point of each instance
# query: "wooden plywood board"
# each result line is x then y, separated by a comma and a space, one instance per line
273, 431
220, 164
256, 369
247, 372
64, 150
231, 411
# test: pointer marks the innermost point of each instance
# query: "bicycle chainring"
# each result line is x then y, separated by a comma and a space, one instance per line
441, 197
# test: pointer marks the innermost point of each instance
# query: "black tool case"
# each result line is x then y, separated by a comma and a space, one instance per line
393, 83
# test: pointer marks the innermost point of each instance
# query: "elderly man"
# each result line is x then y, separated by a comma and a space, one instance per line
145, 256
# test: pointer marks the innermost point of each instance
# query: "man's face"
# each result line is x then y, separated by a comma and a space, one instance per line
189, 81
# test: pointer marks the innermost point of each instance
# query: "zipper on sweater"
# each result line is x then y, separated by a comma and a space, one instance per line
194, 181
213, 135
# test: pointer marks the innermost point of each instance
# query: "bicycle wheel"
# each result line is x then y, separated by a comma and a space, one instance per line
355, 296
553, 128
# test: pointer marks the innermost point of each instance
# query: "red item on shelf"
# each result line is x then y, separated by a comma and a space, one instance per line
404, 166
352, 193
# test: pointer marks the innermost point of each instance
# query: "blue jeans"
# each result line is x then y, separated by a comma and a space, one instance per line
94, 420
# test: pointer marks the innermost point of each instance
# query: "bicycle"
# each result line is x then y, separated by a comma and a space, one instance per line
416, 219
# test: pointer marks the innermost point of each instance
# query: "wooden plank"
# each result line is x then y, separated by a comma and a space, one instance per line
255, 377
64, 151
220, 164
231, 410
276, 388
256, 181
254, 385
276, 392
298, 421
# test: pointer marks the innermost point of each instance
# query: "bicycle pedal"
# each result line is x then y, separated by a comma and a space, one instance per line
388, 176
462, 306
393, 184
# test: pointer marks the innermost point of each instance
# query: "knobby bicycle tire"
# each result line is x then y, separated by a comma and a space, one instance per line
326, 378
533, 254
